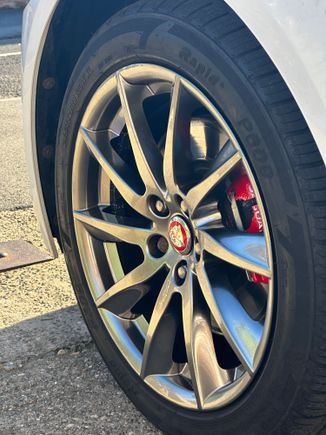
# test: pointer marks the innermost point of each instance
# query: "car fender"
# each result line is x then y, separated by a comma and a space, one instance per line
292, 33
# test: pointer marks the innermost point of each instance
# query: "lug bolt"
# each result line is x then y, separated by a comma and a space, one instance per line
159, 206
197, 248
182, 272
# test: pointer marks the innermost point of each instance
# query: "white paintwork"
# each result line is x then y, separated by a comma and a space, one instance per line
292, 32
37, 17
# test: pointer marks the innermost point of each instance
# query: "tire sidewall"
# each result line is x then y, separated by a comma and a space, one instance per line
164, 41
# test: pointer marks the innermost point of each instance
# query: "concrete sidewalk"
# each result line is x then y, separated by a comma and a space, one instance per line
52, 379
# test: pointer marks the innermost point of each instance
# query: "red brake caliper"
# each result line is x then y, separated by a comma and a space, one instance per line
242, 193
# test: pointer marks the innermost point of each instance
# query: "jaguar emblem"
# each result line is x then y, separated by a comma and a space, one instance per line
179, 235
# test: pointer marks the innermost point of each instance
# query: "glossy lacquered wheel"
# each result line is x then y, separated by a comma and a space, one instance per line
173, 184
171, 192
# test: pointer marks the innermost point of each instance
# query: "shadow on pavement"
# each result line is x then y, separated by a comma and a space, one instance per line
61, 329
53, 381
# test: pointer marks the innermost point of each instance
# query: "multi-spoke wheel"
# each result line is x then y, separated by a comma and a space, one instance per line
195, 325
175, 225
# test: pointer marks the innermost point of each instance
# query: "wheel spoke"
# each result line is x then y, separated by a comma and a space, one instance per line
206, 374
169, 152
242, 333
158, 348
177, 142
244, 250
108, 228
226, 160
117, 171
154, 164
147, 156
125, 293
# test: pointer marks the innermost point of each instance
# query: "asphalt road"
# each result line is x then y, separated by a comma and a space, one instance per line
52, 379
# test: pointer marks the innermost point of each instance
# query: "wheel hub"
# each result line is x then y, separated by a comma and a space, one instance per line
180, 235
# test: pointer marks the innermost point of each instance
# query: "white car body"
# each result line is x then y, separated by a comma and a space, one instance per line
292, 33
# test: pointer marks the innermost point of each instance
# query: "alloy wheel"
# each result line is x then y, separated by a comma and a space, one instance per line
161, 240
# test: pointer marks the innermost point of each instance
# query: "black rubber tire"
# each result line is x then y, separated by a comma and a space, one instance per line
207, 43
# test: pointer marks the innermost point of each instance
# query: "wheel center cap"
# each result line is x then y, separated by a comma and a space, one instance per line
180, 235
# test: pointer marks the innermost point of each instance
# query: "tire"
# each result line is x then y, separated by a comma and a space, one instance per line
206, 43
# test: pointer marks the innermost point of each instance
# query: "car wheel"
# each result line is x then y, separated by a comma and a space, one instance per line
190, 196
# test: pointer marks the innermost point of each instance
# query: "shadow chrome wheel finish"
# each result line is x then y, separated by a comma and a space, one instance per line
162, 246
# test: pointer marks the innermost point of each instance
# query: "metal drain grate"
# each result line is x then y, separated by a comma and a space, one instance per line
18, 253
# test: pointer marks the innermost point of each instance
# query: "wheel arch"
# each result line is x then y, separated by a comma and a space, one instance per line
293, 35
61, 51
266, 23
